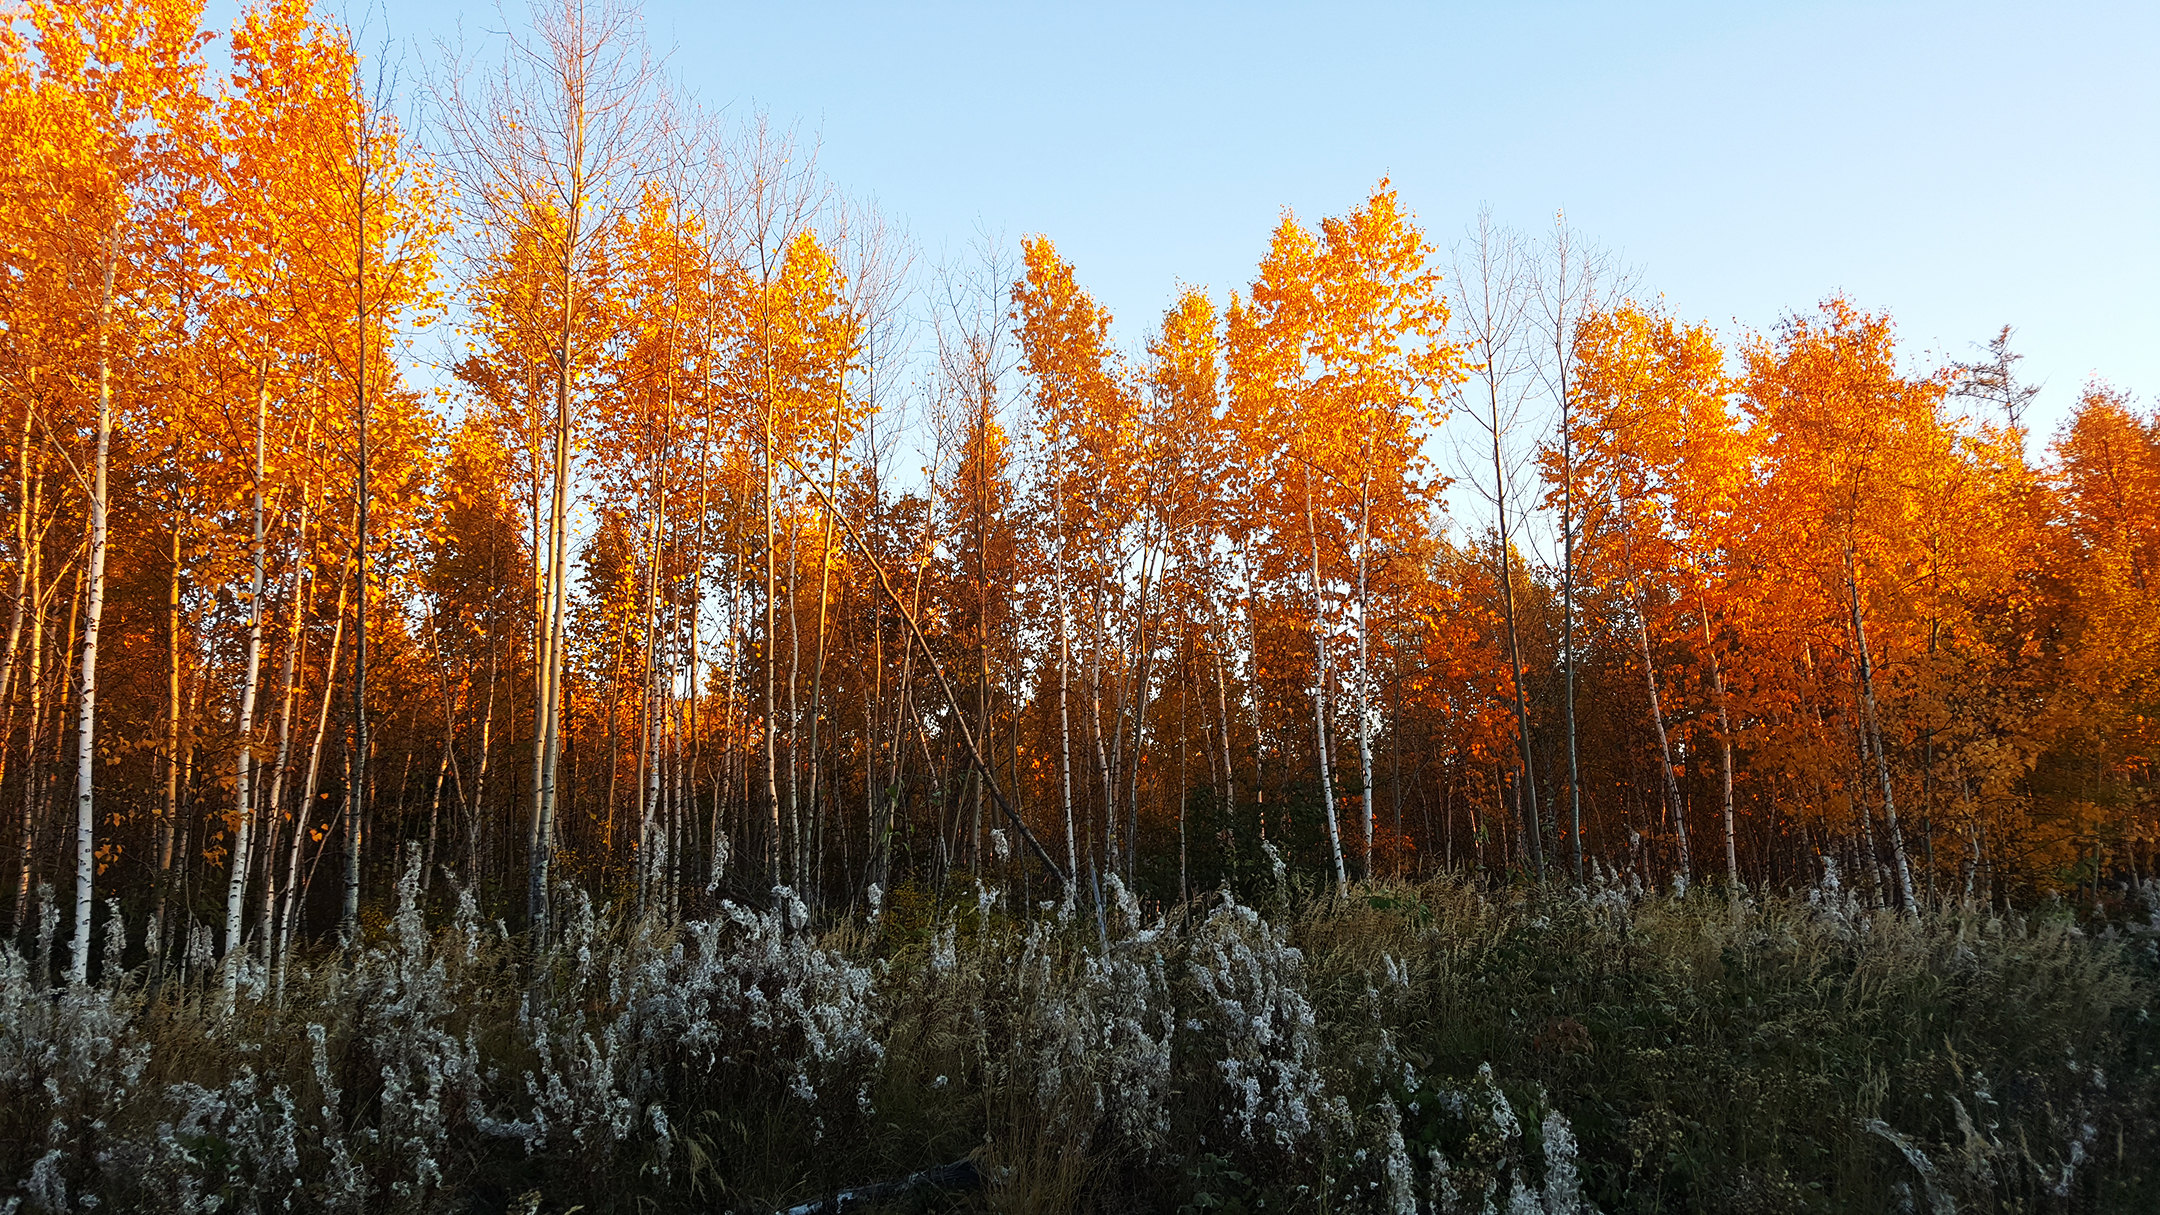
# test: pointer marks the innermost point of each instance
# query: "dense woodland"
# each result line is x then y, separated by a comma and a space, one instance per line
736, 546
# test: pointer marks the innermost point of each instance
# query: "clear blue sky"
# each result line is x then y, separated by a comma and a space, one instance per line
1962, 165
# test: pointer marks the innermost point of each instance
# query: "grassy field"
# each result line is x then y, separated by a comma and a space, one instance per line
1429, 1047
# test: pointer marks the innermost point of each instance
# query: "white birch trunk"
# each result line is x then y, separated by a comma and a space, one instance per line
1364, 675
1873, 727
1725, 754
1072, 845
251, 682
1320, 706
1665, 764
288, 696
86, 714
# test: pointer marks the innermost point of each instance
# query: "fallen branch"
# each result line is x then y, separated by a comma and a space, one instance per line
959, 1175
967, 736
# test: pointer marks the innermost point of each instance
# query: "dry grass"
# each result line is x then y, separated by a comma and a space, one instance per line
1411, 1048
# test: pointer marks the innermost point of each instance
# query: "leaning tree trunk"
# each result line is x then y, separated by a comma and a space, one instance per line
1665, 764
28, 597
33, 781
22, 586
295, 890
1873, 728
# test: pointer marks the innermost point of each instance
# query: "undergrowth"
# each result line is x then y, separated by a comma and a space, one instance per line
1410, 1048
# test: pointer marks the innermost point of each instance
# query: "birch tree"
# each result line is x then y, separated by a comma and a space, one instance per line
1493, 321
1338, 368
1571, 280
550, 146
119, 111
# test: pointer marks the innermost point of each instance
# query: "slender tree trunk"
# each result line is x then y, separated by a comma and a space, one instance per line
981, 443
952, 702
1222, 711
817, 670
1320, 705
33, 781
1395, 776
794, 711
903, 716
357, 793
355, 825
770, 726
62, 681
1665, 764
1364, 673
1533, 831
697, 605
614, 744
168, 824
477, 806
1878, 879
875, 795
649, 753
1567, 616
548, 743
250, 685
185, 827
1725, 753
1252, 695
1121, 701
538, 534
1102, 755
1140, 706
1184, 733
434, 814
23, 602
93, 616
771, 487
305, 811
1072, 847
1873, 728
288, 697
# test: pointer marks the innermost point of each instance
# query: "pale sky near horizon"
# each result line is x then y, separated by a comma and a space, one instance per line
1959, 165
